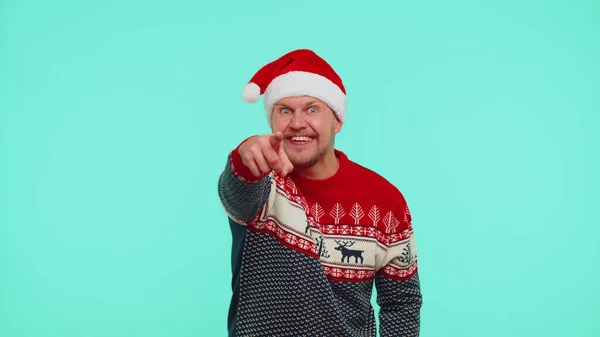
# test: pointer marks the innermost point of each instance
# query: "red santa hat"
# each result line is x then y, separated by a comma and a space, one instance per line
298, 73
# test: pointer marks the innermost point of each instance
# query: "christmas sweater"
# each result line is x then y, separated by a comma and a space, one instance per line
306, 254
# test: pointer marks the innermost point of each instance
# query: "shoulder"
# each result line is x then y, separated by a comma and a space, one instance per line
391, 212
374, 182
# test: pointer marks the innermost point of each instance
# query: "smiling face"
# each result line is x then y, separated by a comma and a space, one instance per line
308, 126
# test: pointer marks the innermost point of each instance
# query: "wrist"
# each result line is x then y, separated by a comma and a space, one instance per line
240, 170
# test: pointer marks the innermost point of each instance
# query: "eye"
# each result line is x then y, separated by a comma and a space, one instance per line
312, 109
285, 111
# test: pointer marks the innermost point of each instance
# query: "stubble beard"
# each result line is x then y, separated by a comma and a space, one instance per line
310, 162
306, 163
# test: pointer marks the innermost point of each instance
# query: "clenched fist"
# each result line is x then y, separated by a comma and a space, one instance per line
263, 154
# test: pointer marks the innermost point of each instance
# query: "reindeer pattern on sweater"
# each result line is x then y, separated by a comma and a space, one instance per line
335, 237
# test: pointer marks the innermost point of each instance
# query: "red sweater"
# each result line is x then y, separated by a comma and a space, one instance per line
352, 228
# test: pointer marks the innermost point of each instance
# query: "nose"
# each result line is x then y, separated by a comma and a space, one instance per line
297, 121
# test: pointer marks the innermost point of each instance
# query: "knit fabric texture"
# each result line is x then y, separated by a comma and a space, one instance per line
306, 255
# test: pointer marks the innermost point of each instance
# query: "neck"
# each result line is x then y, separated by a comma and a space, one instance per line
325, 168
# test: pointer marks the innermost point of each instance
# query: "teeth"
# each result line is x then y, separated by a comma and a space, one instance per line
301, 139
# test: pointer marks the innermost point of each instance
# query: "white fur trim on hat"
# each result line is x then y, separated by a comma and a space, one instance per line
299, 83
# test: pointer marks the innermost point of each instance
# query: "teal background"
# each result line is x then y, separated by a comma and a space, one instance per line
117, 117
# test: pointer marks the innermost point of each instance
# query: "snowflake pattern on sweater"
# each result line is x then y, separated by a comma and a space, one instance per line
306, 254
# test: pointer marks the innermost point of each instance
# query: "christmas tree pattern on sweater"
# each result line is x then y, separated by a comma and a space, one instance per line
351, 244
296, 240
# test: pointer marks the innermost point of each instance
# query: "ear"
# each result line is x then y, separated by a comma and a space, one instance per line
338, 125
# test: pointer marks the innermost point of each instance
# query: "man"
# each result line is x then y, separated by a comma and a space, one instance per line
313, 232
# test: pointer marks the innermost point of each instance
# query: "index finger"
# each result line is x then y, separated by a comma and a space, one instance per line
275, 139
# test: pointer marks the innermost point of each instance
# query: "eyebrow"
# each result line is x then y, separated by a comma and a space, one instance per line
311, 103
288, 107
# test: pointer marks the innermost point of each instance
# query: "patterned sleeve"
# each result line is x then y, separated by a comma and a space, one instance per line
400, 305
241, 193
398, 287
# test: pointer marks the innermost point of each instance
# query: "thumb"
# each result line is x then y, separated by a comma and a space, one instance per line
275, 140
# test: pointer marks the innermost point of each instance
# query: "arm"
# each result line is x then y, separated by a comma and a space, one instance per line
244, 184
240, 191
398, 286
242, 195
400, 303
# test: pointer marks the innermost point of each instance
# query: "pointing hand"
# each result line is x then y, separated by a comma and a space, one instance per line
265, 153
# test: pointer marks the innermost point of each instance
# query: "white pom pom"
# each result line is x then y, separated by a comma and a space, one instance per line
251, 92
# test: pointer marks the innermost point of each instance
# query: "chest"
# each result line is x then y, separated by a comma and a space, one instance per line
346, 232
